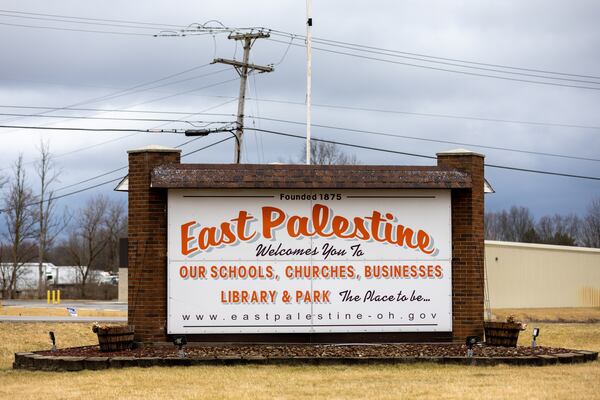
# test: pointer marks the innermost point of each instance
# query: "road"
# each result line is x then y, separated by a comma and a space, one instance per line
41, 318
84, 304
77, 304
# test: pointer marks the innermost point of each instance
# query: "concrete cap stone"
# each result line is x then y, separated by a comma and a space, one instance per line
154, 148
459, 152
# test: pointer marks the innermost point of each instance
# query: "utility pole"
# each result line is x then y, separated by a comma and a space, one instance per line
242, 69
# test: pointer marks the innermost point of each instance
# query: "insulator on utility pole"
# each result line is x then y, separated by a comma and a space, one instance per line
242, 69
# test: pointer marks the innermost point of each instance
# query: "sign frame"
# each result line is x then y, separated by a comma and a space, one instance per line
381, 194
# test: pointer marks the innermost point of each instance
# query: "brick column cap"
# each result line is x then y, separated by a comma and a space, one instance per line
459, 152
154, 148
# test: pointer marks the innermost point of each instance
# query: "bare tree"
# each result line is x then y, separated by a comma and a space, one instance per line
49, 227
116, 227
4, 279
520, 224
88, 239
323, 153
515, 225
20, 227
590, 232
558, 229
492, 226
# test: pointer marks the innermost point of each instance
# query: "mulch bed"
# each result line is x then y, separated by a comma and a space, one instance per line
312, 350
163, 355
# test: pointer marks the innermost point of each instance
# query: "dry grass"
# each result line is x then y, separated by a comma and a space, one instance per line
307, 382
579, 314
59, 312
17, 336
338, 382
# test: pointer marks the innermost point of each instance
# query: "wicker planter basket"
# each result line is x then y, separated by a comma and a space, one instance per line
114, 338
502, 333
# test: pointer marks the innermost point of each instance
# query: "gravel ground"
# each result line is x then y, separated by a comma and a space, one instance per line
313, 350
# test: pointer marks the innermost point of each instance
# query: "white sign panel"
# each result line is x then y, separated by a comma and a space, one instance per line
281, 261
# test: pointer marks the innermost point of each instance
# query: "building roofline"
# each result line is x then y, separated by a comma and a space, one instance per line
538, 246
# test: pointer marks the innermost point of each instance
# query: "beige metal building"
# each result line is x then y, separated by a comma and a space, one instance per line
523, 275
123, 282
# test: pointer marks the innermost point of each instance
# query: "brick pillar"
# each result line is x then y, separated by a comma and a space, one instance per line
147, 250
467, 245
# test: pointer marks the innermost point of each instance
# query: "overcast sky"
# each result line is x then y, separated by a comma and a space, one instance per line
60, 66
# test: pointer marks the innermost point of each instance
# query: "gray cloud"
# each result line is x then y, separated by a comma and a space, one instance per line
57, 68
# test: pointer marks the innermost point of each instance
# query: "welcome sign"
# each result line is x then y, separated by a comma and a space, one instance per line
302, 261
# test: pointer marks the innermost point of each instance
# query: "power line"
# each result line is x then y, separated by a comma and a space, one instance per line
174, 95
542, 172
179, 145
189, 91
122, 92
73, 21
358, 146
65, 128
347, 129
92, 178
206, 147
550, 124
425, 156
342, 107
328, 42
142, 89
317, 125
76, 30
125, 166
430, 140
203, 112
325, 41
318, 140
93, 19
109, 118
441, 69
118, 138
94, 30
331, 42
119, 169
436, 115
80, 149
119, 110
179, 30
112, 180
468, 66
76, 191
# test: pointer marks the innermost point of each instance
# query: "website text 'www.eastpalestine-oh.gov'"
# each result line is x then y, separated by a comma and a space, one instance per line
283, 318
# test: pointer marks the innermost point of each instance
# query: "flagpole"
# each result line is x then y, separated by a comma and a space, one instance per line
308, 76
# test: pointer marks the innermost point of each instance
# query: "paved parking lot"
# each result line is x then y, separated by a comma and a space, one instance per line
77, 304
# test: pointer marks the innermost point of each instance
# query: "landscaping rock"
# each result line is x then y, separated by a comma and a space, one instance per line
89, 357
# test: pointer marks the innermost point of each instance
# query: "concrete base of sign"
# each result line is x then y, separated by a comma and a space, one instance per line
44, 362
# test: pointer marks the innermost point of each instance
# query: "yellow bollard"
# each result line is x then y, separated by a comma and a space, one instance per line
48, 293
54, 297
58, 296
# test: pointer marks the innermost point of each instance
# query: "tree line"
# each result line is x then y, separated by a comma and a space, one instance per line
35, 231
518, 225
